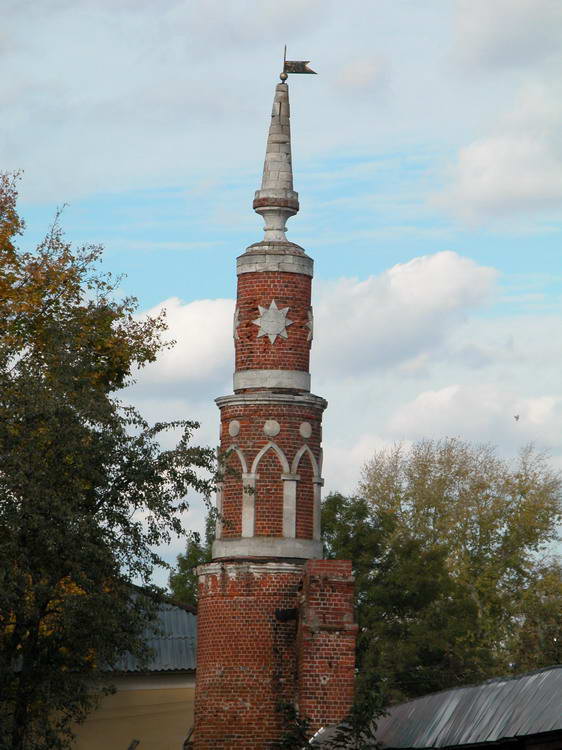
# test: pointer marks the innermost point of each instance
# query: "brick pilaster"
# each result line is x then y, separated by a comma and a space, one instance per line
326, 642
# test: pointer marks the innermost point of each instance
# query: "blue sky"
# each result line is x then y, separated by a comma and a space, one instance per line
428, 158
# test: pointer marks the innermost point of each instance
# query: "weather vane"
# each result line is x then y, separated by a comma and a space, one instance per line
294, 66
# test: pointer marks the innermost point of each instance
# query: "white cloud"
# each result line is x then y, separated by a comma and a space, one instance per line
202, 356
344, 457
482, 413
398, 316
511, 172
390, 325
108, 95
395, 318
507, 33
516, 170
363, 75
97, 96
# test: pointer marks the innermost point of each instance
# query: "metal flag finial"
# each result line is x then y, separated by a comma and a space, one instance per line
283, 75
294, 66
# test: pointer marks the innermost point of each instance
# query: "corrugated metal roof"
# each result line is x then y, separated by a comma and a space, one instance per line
498, 709
172, 638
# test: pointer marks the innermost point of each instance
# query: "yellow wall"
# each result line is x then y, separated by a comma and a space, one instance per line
156, 710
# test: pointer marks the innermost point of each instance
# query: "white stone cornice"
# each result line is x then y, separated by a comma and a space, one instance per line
269, 398
296, 379
267, 261
265, 546
243, 567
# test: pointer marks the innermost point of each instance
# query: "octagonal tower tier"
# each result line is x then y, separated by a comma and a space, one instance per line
269, 501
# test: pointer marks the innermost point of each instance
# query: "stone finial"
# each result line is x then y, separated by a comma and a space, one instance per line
276, 200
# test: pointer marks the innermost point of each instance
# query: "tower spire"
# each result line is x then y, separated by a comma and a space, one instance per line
276, 200
275, 621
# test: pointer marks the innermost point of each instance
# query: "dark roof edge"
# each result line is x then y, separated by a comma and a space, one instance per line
162, 597
489, 681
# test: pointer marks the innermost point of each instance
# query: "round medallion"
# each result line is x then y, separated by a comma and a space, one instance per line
271, 428
233, 428
305, 430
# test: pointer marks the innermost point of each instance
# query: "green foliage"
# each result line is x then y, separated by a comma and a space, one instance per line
449, 546
86, 492
297, 728
183, 578
358, 730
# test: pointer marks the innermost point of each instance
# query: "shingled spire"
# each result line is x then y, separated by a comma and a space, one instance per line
276, 200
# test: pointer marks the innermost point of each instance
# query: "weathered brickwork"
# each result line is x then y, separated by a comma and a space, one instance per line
305, 498
326, 641
232, 497
270, 634
246, 655
290, 290
268, 497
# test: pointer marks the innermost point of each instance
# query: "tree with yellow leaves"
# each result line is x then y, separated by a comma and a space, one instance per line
86, 491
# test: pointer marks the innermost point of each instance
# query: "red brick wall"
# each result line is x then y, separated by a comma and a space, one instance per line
290, 290
245, 656
326, 642
268, 497
232, 498
249, 660
305, 499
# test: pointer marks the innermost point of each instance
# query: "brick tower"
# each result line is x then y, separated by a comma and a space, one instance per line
275, 621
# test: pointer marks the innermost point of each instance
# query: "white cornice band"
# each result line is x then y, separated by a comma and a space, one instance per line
266, 397
295, 379
263, 546
256, 262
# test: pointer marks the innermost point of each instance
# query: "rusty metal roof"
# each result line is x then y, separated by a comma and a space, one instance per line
499, 709
172, 639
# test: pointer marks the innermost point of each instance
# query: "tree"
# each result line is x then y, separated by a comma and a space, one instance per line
183, 578
498, 519
86, 492
450, 546
416, 627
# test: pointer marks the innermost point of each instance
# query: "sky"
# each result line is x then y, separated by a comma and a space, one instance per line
427, 154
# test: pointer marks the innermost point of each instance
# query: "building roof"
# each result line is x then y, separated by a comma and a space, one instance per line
495, 710
172, 639
500, 709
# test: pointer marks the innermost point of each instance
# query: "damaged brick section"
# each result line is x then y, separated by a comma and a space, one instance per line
326, 642
272, 633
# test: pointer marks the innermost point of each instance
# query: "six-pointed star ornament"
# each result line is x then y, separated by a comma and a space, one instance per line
273, 322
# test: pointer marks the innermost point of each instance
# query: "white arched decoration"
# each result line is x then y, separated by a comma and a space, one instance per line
220, 485
299, 454
289, 488
317, 483
280, 456
235, 449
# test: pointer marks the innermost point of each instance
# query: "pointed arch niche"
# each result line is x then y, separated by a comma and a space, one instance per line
230, 494
308, 494
268, 469
304, 512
